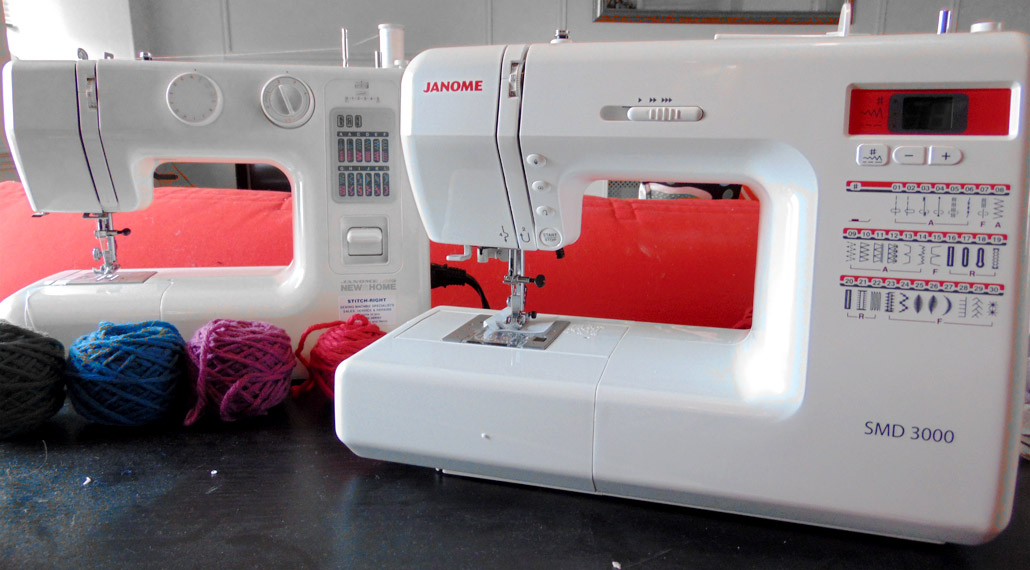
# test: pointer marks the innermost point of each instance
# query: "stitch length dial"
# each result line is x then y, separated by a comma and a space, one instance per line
287, 101
194, 99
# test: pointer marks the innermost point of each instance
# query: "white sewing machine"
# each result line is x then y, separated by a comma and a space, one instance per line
86, 137
879, 387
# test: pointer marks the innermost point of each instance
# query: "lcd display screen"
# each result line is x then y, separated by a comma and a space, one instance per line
928, 114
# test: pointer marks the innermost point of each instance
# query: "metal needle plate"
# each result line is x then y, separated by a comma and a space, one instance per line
473, 332
116, 278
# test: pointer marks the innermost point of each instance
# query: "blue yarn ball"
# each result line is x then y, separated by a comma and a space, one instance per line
126, 374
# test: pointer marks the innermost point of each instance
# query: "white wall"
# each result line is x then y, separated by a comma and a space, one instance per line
57, 29
308, 30
6, 167
237, 28
302, 30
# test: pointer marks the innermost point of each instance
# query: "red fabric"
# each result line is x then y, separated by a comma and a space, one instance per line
672, 261
668, 261
184, 227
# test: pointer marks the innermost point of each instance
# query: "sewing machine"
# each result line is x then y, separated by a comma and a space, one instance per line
878, 389
86, 136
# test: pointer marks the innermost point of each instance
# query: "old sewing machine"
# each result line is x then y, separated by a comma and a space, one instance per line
879, 387
86, 137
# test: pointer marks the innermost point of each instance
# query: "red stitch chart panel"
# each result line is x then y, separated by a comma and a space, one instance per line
937, 206
981, 188
927, 252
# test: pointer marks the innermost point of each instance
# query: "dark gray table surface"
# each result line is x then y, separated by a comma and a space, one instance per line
281, 491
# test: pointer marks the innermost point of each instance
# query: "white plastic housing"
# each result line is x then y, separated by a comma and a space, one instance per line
42, 122
137, 131
818, 413
448, 129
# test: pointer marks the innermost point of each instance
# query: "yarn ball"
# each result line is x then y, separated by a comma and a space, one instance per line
126, 374
342, 340
242, 368
31, 381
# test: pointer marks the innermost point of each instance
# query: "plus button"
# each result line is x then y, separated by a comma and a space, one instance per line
945, 155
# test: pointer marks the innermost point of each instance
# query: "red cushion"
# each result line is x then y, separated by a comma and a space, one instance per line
674, 261
185, 227
668, 261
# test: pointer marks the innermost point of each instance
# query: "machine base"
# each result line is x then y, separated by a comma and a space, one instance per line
591, 414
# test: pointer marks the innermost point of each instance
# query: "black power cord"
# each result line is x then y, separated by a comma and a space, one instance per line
445, 275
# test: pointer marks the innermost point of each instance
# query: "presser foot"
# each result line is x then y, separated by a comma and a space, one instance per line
537, 336
108, 250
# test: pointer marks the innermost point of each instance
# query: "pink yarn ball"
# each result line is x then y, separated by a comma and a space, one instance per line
242, 368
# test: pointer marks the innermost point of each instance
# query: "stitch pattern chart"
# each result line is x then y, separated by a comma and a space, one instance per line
926, 252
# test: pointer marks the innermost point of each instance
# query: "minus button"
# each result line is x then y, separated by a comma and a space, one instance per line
909, 155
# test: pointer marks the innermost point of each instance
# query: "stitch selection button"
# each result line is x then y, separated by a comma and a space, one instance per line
945, 155
872, 154
364, 241
909, 155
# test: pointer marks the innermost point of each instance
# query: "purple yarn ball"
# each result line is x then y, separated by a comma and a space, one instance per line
242, 368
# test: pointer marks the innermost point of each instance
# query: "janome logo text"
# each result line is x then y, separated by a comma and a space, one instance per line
453, 86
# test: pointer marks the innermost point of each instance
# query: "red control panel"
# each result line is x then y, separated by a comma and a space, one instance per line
963, 112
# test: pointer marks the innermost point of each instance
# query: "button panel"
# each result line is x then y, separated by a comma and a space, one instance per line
878, 154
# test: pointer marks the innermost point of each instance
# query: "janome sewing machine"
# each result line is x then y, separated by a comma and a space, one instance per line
86, 137
879, 386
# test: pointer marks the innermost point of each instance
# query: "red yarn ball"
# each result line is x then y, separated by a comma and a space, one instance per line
341, 341
242, 368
